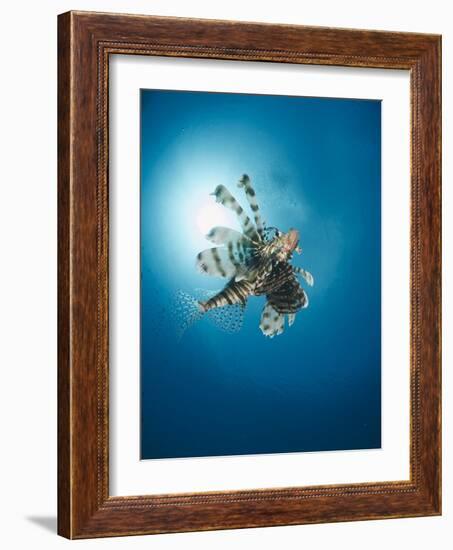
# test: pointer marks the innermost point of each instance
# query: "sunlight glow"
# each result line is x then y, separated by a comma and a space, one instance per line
211, 214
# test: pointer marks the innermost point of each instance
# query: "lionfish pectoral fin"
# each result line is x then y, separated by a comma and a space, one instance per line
229, 261
216, 262
225, 235
272, 323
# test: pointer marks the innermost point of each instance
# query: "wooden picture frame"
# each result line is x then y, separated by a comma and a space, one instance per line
85, 42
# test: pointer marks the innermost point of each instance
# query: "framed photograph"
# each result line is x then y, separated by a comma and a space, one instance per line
249, 275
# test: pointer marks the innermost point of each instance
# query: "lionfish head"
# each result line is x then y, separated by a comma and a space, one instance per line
288, 243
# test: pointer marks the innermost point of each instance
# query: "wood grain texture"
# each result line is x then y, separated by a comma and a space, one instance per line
64, 371
86, 40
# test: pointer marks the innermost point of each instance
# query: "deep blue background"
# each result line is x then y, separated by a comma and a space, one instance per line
315, 165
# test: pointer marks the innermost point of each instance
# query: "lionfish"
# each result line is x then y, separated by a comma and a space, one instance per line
256, 262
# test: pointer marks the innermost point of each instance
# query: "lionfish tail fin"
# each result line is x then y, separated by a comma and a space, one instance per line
225, 309
218, 310
186, 311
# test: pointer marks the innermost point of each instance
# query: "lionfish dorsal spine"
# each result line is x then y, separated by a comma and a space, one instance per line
251, 198
225, 198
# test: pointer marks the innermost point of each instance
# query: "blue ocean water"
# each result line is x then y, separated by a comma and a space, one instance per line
315, 164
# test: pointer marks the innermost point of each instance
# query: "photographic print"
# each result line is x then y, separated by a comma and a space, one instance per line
249, 305
260, 274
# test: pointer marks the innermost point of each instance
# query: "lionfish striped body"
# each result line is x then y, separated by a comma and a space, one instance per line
255, 263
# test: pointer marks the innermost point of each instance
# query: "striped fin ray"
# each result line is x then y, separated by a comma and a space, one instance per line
225, 261
225, 235
289, 298
251, 197
272, 276
272, 323
291, 318
308, 277
224, 197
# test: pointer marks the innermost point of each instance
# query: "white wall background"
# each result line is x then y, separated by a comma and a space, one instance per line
28, 216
